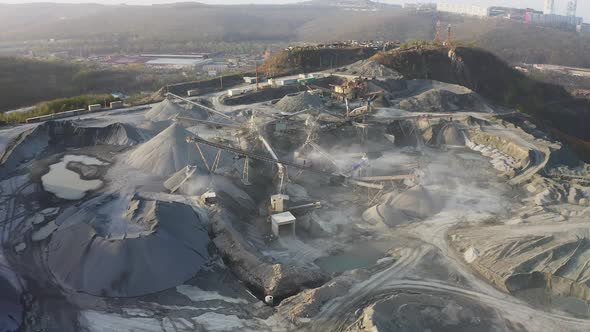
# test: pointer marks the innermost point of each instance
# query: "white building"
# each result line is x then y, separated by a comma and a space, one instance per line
283, 224
463, 9
218, 67
177, 62
554, 20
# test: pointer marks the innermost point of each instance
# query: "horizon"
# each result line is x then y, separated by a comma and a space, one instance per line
583, 7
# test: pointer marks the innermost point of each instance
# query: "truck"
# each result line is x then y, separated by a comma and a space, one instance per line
289, 81
94, 107
193, 92
116, 104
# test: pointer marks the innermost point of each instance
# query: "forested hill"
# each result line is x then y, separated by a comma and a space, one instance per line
240, 28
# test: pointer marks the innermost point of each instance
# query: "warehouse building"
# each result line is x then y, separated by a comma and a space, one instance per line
463, 9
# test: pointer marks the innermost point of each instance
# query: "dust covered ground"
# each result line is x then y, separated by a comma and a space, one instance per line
435, 213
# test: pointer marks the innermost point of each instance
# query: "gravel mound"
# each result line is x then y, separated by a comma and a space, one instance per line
413, 204
430, 311
165, 111
169, 152
439, 100
300, 102
451, 135
370, 68
66, 134
118, 134
162, 245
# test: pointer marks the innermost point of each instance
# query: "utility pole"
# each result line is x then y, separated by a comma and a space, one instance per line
256, 64
449, 36
438, 36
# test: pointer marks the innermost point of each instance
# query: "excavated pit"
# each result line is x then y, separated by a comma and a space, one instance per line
55, 136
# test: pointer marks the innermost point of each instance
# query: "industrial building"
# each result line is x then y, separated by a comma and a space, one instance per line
420, 6
583, 28
463, 9
550, 17
552, 20
177, 62
283, 224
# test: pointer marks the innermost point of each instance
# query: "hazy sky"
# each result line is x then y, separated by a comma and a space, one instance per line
583, 5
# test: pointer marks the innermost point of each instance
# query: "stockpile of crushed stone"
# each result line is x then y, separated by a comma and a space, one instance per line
413, 204
169, 152
450, 134
64, 134
162, 245
167, 110
300, 102
439, 100
119, 134
369, 68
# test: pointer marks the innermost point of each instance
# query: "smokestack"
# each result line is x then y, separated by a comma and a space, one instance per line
549, 7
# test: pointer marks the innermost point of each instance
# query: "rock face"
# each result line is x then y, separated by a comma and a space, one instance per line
169, 152
261, 275
413, 204
163, 245
308, 303
518, 257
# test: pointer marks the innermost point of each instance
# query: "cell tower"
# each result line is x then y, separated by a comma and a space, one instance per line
572, 6
549, 7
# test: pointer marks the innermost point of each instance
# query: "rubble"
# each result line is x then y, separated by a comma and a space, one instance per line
300, 102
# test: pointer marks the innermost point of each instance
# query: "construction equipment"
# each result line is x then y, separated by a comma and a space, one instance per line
282, 171
190, 172
305, 206
240, 152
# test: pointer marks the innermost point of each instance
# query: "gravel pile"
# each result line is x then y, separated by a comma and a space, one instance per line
437, 100
369, 68
300, 102
413, 204
451, 135
163, 245
163, 111
169, 152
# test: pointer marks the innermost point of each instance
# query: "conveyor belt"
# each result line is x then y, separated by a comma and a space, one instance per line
268, 159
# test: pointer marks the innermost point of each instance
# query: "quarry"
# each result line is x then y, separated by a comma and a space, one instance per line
359, 200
